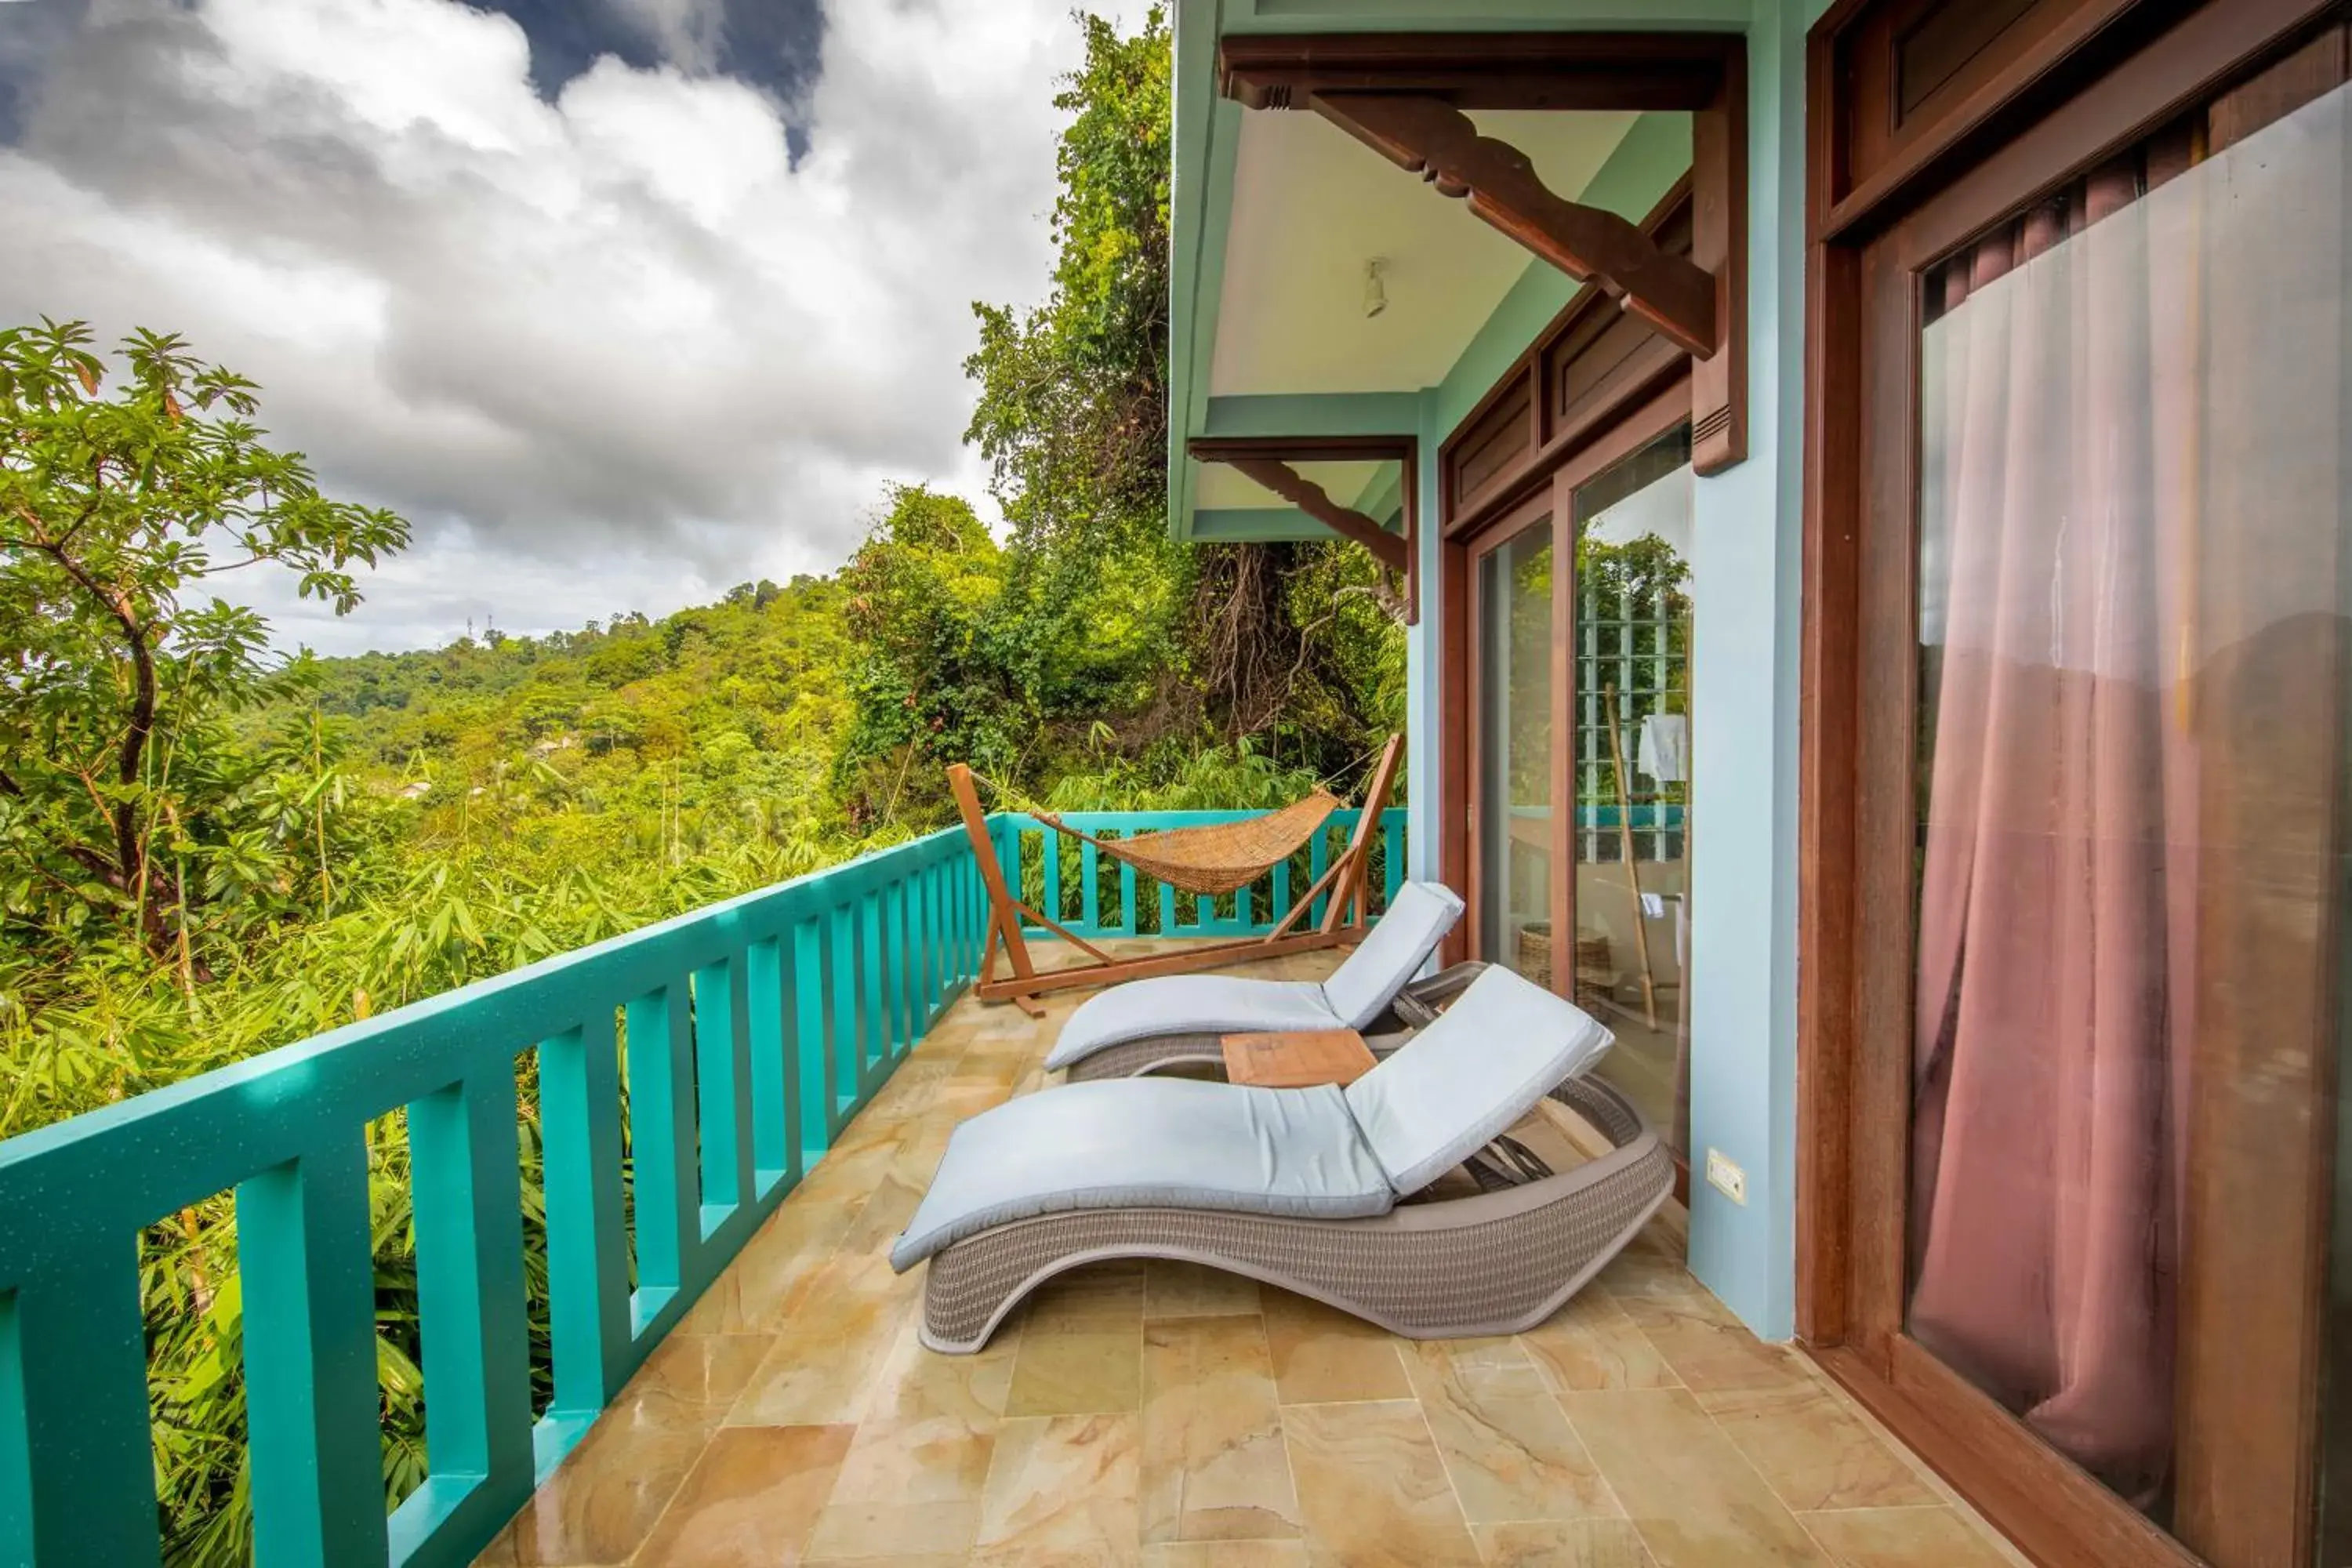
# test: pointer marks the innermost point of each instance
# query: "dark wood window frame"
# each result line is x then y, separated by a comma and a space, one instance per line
1897, 177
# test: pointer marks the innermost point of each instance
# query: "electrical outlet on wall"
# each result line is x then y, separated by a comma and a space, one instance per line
1726, 1177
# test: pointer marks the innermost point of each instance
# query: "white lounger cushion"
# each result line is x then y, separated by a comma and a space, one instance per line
1503, 1046
1149, 1142
1390, 954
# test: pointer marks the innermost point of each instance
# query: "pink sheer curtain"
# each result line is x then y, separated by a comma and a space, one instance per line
2133, 618
2054, 896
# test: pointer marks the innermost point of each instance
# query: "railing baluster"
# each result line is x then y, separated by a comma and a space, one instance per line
77, 1468
1008, 856
771, 1091
661, 1139
1129, 918
933, 944
722, 1056
1089, 892
960, 922
939, 899
1318, 854
307, 1271
952, 930
1279, 905
465, 1187
841, 993
1392, 856
880, 1004
873, 1049
1168, 909
1050, 906
899, 977
587, 1240
914, 950
812, 1062
975, 919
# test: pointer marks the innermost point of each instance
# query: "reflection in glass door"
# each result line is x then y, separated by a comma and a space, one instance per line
1515, 619
1629, 753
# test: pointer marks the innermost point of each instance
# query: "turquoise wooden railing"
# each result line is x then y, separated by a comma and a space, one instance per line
756, 1029
1096, 896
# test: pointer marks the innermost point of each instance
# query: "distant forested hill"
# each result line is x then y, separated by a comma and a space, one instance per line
666, 738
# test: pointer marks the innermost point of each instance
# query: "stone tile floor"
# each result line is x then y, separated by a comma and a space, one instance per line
1165, 1416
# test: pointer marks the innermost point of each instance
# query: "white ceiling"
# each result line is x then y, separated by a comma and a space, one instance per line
1311, 205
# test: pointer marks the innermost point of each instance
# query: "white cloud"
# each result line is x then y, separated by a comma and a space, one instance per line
608, 352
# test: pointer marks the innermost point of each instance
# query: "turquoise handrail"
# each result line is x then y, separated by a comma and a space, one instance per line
757, 1029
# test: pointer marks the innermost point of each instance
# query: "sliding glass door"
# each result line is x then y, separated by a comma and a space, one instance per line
2132, 576
1581, 621
2104, 753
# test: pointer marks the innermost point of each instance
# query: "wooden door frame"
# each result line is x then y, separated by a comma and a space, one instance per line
2081, 80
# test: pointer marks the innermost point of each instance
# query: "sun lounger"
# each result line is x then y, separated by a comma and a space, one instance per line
1147, 1026
1312, 1190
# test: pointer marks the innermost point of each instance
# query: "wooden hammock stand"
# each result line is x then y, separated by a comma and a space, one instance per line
1343, 917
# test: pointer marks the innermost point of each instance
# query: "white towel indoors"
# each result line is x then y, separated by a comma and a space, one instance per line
1660, 751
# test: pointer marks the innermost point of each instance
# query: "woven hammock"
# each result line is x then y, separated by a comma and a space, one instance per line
1217, 857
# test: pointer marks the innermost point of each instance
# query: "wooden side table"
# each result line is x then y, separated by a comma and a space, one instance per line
1299, 1061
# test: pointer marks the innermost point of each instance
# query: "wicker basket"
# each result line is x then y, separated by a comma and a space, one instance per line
1596, 972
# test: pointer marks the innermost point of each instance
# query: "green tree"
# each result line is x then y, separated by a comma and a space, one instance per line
921, 588
115, 512
1102, 613
1072, 415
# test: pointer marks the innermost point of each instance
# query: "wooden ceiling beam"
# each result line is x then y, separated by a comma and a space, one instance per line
1425, 135
1478, 71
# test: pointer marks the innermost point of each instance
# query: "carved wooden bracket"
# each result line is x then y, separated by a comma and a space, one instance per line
1316, 502
1429, 137
1267, 461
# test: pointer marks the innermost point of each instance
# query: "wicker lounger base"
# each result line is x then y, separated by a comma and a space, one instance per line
1153, 1052
1492, 1264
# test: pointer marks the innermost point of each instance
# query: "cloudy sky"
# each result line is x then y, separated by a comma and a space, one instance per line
619, 301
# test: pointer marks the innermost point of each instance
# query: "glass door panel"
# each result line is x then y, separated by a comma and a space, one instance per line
1630, 756
1516, 699
2132, 574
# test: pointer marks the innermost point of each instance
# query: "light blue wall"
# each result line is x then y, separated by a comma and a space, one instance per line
1744, 694
1425, 720
1744, 680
